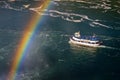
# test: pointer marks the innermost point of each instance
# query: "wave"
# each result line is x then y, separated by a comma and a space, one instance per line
72, 17
97, 23
8, 6
118, 11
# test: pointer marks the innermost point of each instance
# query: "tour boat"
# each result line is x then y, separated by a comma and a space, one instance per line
91, 41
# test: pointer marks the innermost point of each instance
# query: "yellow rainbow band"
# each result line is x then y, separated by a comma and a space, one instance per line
24, 41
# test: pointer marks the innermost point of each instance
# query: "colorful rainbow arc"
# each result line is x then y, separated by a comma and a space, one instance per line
23, 45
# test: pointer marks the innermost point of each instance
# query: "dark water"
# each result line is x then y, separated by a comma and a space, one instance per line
51, 57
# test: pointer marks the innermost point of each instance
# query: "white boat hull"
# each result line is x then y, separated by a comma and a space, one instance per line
83, 44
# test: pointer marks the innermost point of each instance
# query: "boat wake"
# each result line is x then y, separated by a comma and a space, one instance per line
108, 47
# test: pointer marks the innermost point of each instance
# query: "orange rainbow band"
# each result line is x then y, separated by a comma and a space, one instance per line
25, 41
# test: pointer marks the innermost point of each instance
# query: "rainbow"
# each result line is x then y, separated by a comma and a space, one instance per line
26, 39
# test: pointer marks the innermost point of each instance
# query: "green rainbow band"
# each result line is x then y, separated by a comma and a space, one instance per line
26, 39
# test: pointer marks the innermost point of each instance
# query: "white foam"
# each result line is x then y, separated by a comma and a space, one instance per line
70, 17
118, 11
97, 23
108, 47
